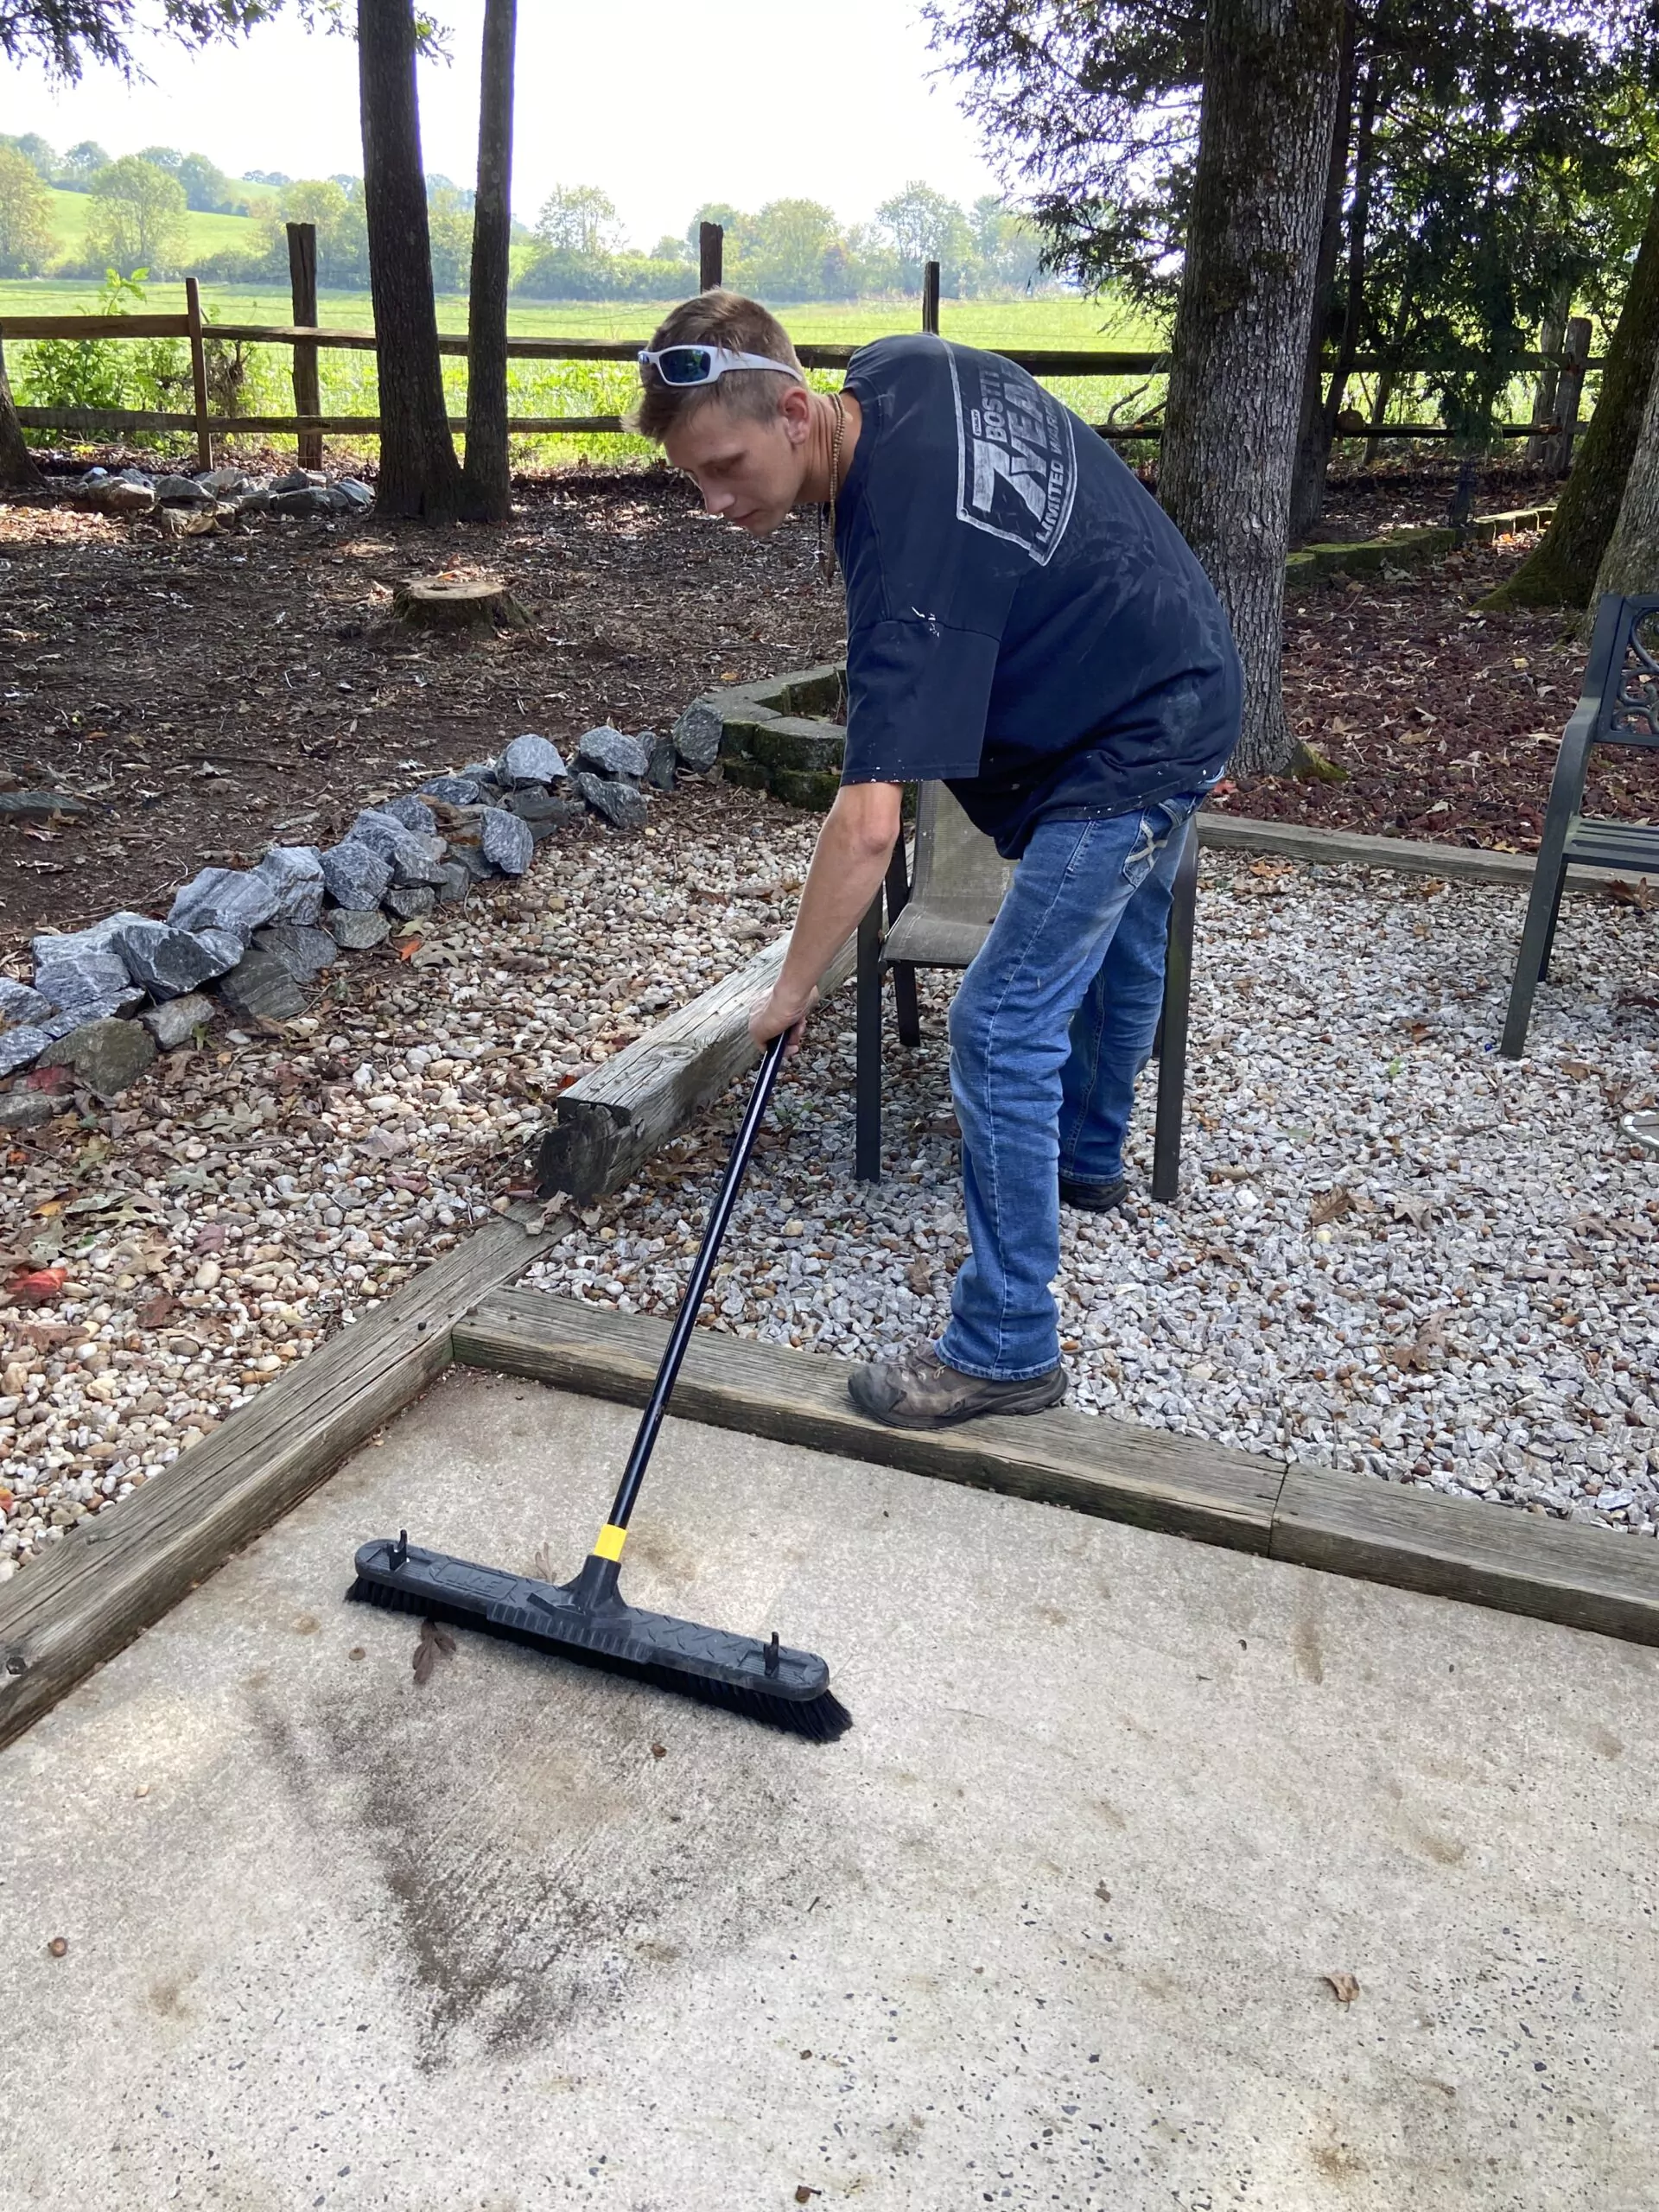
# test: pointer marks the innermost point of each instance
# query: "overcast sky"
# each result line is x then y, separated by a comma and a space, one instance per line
663, 103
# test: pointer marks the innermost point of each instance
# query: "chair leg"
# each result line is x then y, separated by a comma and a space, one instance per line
1549, 934
867, 1127
906, 1011
1542, 907
1172, 1026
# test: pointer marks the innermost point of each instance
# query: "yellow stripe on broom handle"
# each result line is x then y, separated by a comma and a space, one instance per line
610, 1542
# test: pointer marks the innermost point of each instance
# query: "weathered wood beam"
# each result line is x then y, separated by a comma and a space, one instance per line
609, 1123
110, 1578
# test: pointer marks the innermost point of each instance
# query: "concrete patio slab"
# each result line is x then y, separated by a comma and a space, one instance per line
1050, 1927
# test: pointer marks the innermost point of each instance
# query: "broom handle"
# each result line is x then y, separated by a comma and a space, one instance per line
685, 1320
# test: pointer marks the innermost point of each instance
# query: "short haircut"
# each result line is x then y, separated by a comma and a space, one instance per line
716, 319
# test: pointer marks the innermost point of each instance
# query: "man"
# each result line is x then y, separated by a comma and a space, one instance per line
1024, 622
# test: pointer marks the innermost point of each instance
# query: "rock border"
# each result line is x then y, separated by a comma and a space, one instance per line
105, 1000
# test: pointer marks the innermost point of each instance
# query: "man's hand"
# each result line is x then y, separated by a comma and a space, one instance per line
771, 1015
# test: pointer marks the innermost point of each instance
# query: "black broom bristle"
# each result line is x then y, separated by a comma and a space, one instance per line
820, 1719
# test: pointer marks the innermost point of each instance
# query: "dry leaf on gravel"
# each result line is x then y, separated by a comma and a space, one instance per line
435, 1642
1418, 1211
1346, 1987
1421, 1354
1331, 1206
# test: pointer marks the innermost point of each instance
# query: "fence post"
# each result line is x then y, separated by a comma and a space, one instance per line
198, 372
711, 256
1543, 397
931, 297
1558, 451
308, 390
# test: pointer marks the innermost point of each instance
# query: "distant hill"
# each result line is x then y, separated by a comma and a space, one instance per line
206, 235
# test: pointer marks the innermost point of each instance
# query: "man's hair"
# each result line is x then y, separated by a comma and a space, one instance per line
716, 319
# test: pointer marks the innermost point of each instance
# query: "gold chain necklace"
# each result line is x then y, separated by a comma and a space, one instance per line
827, 554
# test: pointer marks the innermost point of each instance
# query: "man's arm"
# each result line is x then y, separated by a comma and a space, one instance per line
851, 860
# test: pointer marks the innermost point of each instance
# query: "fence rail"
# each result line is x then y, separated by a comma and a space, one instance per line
308, 338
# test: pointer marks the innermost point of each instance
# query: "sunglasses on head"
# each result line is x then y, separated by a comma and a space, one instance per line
683, 365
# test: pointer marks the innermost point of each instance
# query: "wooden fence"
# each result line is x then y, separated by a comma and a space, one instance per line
308, 340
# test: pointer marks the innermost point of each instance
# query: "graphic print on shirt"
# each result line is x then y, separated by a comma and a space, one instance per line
1016, 464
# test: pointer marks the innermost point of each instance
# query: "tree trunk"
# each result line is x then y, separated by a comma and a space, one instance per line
1270, 70
1630, 564
1560, 570
488, 489
420, 476
17, 469
1314, 439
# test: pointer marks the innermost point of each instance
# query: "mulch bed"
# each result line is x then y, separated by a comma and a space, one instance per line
1444, 720
207, 694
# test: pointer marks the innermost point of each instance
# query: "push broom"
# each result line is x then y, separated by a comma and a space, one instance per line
587, 1620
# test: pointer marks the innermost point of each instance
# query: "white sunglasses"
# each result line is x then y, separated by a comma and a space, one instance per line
682, 366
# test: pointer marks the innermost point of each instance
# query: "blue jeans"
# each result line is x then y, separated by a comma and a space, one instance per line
1054, 1020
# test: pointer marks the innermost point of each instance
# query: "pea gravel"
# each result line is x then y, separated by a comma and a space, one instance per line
1395, 1254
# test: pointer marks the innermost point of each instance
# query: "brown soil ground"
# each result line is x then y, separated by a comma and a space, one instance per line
207, 693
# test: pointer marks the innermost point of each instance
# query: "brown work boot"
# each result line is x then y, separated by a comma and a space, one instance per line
918, 1390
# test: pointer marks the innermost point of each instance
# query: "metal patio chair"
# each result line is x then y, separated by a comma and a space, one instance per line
1618, 705
941, 920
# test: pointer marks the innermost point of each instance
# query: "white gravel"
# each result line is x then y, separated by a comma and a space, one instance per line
1480, 1313
240, 1202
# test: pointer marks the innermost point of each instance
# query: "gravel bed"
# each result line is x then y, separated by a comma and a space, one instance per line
246, 1198
1397, 1254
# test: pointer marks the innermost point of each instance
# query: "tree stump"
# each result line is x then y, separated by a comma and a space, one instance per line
457, 603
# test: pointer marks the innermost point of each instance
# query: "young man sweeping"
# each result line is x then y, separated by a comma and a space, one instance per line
1027, 625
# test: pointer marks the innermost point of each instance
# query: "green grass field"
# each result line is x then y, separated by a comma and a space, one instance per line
572, 387
203, 235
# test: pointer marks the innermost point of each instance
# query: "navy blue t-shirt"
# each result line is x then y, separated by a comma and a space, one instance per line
1023, 619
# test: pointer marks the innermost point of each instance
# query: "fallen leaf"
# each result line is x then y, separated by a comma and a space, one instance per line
1331, 1206
1418, 1211
211, 1237
157, 1310
1346, 1987
1419, 1353
39, 1287
425, 1659
1102, 1893
408, 952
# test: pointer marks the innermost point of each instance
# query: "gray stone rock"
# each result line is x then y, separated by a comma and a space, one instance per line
25, 1110
609, 752
457, 882
529, 760
659, 768
19, 1003
22, 1046
542, 811
621, 804
481, 771
412, 812
298, 479
237, 899
81, 972
697, 734
177, 1022
357, 496
314, 499
106, 1056
411, 898
260, 984
413, 858
355, 878
182, 492
455, 790
225, 483
296, 872
254, 501
506, 841
169, 962
356, 928
304, 952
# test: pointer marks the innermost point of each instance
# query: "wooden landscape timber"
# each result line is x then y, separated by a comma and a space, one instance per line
1310, 1516
609, 1123
110, 1577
